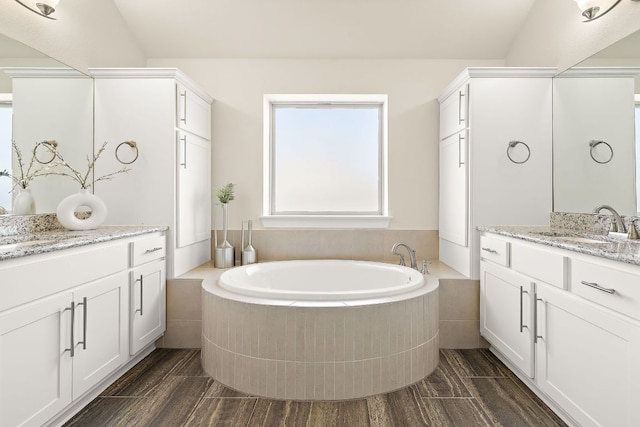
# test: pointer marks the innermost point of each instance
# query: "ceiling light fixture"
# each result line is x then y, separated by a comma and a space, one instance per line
594, 9
41, 7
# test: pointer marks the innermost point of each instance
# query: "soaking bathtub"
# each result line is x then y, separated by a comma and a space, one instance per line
320, 329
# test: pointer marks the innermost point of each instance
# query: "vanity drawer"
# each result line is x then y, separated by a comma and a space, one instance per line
495, 250
613, 288
147, 249
547, 266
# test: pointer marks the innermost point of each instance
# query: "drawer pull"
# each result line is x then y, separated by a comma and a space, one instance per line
148, 251
598, 287
491, 251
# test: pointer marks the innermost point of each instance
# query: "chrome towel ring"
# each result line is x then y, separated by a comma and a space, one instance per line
50, 146
131, 144
511, 145
593, 144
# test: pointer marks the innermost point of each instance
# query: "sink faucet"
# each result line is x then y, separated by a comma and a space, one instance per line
412, 254
618, 225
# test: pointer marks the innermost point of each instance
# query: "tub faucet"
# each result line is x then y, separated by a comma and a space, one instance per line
412, 254
618, 225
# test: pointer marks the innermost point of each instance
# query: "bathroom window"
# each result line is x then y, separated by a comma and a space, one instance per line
325, 161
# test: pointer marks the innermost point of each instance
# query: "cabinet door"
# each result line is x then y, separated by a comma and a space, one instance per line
101, 331
506, 314
587, 359
453, 112
35, 361
454, 189
194, 194
148, 299
194, 113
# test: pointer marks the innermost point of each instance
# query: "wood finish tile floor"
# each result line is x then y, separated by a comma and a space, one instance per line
169, 388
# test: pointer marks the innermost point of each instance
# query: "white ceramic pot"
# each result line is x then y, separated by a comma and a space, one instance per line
66, 211
24, 203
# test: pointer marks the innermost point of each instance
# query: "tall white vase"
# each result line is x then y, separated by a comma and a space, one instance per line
24, 203
67, 208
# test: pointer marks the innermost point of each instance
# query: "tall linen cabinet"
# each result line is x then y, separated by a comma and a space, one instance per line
169, 118
495, 157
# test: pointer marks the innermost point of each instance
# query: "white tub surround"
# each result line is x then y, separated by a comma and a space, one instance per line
562, 309
333, 349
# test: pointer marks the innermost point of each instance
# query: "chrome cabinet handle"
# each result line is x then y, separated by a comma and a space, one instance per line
535, 316
84, 323
148, 251
183, 119
598, 287
71, 349
460, 162
491, 251
522, 325
141, 296
184, 152
460, 118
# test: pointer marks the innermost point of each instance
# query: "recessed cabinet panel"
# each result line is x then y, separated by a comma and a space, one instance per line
588, 359
193, 112
148, 302
101, 331
35, 365
454, 189
193, 199
453, 112
506, 314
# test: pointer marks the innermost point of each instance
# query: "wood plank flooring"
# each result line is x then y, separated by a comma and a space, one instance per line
168, 388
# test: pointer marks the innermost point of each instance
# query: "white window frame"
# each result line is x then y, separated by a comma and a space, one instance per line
347, 220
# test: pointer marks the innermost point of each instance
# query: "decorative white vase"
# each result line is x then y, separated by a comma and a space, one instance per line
67, 209
24, 203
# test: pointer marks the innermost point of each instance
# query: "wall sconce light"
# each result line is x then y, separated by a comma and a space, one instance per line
41, 7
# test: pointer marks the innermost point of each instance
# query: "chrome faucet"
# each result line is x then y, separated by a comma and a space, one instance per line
618, 225
412, 254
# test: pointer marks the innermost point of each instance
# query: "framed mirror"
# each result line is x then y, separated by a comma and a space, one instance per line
41, 99
596, 138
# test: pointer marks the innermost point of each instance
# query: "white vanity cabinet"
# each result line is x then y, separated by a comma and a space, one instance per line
575, 345
489, 109
64, 326
169, 118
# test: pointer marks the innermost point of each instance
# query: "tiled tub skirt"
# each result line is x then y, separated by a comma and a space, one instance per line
319, 353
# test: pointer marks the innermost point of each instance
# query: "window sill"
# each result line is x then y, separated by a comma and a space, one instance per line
326, 221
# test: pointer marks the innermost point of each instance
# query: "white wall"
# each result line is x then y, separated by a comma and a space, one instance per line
555, 36
238, 85
85, 34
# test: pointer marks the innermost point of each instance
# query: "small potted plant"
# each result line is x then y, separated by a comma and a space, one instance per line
224, 256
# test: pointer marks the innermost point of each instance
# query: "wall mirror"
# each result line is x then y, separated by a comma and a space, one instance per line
42, 99
596, 137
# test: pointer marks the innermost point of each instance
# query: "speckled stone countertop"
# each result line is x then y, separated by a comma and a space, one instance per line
33, 243
605, 246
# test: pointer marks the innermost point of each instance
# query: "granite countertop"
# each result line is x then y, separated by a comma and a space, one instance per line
616, 248
24, 244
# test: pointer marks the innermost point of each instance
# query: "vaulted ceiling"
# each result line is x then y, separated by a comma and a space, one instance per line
442, 29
